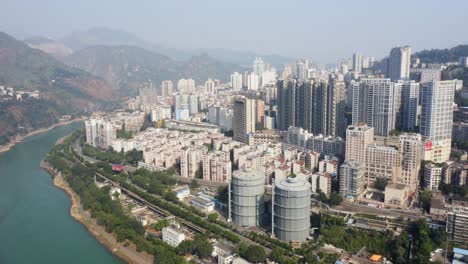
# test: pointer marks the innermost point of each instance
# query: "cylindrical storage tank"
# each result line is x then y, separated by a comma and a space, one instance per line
291, 209
247, 201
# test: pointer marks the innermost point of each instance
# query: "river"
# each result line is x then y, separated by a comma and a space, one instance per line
35, 223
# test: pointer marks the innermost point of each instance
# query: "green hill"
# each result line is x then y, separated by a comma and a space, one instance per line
442, 55
63, 89
128, 67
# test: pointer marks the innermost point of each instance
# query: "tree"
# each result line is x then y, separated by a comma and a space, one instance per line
194, 184
425, 200
255, 254
161, 224
185, 247
212, 217
422, 245
380, 184
202, 247
335, 199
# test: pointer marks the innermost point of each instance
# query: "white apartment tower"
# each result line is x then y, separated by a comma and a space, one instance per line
252, 82
358, 137
399, 63
357, 62
236, 81
167, 87
437, 100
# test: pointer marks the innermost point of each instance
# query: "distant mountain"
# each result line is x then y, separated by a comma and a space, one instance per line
128, 67
63, 89
442, 55
49, 46
109, 37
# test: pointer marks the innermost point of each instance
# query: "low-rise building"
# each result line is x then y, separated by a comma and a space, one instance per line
206, 205
172, 235
396, 194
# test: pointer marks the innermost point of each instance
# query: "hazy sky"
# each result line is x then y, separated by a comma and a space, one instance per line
323, 31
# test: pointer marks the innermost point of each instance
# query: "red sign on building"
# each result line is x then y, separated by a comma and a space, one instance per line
117, 167
428, 145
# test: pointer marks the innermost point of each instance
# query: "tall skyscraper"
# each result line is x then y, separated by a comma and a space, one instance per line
258, 66
336, 119
286, 94
167, 88
236, 81
244, 118
399, 63
302, 67
407, 118
252, 81
314, 105
210, 87
357, 62
358, 137
437, 100
186, 85
375, 102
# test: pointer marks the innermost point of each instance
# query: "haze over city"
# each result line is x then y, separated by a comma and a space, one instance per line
323, 31
234, 132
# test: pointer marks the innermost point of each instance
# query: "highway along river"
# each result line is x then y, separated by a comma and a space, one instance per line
35, 223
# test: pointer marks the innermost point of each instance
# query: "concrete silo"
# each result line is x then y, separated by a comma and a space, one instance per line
246, 206
291, 209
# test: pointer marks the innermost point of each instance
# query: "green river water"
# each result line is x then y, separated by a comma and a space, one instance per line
35, 223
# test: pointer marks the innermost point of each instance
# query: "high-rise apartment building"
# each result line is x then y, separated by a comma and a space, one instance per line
191, 161
252, 82
244, 118
407, 118
210, 87
236, 81
286, 97
375, 102
410, 154
382, 162
258, 66
399, 63
437, 100
352, 177
167, 87
315, 105
217, 166
358, 137
186, 85
432, 176
357, 62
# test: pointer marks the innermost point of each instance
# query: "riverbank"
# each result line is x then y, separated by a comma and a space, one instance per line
128, 252
17, 139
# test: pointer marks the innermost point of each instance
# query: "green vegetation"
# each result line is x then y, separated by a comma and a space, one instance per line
199, 246
161, 224
442, 55
131, 157
212, 217
384, 243
425, 200
251, 253
448, 189
460, 144
380, 184
124, 134
459, 100
158, 182
395, 132
335, 198
109, 213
